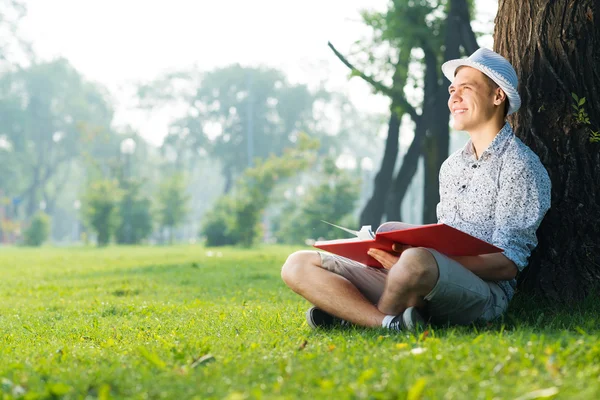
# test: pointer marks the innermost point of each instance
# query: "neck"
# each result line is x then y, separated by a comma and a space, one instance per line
482, 136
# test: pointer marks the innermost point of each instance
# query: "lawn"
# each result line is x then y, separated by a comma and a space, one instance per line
188, 322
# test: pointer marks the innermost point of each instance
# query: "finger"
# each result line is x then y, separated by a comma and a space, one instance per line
386, 259
376, 251
379, 257
399, 248
380, 254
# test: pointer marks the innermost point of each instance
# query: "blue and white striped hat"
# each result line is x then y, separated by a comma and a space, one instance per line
493, 65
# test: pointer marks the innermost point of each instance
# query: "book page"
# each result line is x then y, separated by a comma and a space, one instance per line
364, 233
395, 226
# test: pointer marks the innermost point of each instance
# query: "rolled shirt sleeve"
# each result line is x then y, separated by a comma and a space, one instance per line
523, 200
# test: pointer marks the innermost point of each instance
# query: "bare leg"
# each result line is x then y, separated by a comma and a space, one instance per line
409, 281
328, 291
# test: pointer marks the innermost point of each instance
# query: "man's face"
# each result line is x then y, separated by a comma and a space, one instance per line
471, 99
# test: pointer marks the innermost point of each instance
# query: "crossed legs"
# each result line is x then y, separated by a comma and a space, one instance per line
407, 282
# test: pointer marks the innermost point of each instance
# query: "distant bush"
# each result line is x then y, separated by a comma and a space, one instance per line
38, 230
218, 224
134, 213
172, 202
100, 207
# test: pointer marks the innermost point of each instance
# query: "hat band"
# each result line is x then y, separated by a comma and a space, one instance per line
496, 74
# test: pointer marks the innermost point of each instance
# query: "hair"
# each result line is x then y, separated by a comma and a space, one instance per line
493, 86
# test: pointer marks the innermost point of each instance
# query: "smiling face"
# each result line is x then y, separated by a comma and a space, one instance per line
473, 102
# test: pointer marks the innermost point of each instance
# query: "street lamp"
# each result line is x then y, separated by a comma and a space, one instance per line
127, 149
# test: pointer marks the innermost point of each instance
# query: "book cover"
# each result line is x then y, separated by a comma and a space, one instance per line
441, 237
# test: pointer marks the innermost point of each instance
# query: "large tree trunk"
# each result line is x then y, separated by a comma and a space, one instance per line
555, 49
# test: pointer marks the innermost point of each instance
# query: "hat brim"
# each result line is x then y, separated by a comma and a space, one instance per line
449, 69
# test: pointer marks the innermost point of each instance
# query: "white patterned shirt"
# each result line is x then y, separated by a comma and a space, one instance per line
501, 197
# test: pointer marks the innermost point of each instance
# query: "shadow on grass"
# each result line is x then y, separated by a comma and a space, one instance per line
527, 315
536, 313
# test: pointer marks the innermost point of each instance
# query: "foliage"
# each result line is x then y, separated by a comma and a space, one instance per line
235, 114
38, 231
183, 322
410, 40
172, 202
50, 116
13, 48
582, 117
134, 214
219, 223
239, 213
101, 208
332, 199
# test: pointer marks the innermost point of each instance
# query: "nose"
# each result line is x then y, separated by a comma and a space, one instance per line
454, 98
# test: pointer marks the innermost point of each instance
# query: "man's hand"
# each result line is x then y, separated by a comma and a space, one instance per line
388, 259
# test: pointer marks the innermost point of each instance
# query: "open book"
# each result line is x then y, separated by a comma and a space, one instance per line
441, 237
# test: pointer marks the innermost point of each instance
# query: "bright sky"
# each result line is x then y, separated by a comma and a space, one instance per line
120, 42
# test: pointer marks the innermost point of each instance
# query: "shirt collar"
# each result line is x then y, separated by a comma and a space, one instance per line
496, 147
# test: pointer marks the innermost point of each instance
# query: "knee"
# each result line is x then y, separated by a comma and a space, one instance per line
416, 267
295, 267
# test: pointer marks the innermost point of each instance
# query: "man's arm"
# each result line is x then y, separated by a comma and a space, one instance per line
489, 267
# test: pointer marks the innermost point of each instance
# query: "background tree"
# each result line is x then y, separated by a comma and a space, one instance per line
172, 199
237, 216
38, 231
332, 199
100, 208
13, 48
135, 214
234, 113
555, 49
50, 116
419, 36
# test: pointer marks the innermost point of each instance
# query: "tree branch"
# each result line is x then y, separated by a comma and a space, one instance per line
377, 85
394, 94
463, 19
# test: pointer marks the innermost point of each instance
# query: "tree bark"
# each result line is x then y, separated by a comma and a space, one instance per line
460, 11
375, 207
410, 161
555, 49
407, 171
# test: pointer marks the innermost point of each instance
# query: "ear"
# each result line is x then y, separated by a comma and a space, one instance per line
499, 96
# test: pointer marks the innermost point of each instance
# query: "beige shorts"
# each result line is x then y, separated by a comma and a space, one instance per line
459, 296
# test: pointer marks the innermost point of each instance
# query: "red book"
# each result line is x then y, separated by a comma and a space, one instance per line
441, 237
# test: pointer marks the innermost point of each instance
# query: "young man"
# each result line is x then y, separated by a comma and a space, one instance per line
495, 188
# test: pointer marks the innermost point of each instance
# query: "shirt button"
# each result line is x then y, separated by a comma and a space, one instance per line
474, 166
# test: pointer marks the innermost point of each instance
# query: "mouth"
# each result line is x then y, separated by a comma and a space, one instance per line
459, 111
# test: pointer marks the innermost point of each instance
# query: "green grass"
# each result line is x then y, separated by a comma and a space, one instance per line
180, 322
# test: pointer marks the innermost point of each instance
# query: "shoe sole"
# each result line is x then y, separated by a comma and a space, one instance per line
309, 318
